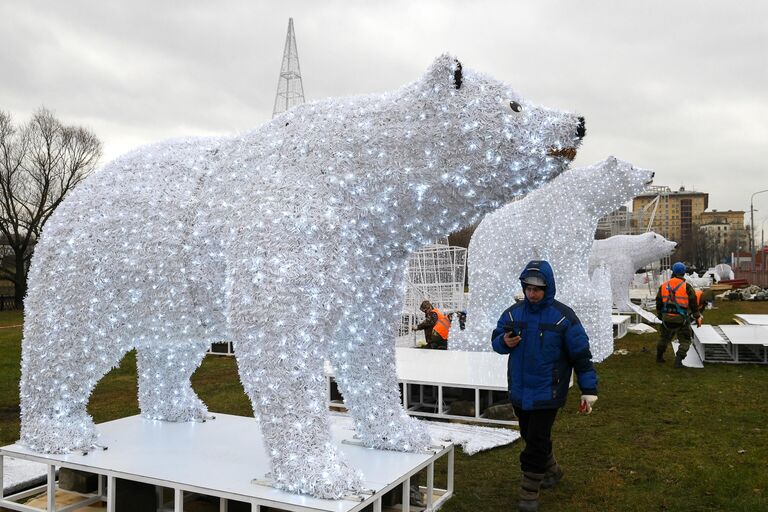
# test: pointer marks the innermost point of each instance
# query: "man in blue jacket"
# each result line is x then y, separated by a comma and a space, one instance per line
545, 342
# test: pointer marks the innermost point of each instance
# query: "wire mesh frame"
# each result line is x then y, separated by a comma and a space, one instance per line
435, 273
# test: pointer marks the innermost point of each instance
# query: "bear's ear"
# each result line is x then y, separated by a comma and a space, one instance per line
457, 76
446, 69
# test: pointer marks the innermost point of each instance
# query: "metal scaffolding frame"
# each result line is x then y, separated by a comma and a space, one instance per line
436, 273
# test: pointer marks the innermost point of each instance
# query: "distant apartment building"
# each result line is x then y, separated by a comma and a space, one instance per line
619, 222
675, 214
725, 227
722, 235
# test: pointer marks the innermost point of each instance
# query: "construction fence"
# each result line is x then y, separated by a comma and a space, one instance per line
755, 277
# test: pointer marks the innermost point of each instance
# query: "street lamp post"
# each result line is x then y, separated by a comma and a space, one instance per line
762, 244
752, 225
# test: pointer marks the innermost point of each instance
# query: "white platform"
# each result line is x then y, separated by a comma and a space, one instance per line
220, 458
224, 348
425, 374
487, 370
732, 343
620, 325
752, 319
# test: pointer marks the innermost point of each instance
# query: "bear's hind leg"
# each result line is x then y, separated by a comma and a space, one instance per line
165, 390
363, 359
58, 373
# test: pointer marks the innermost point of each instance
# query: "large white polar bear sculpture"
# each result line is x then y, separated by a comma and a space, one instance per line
291, 241
556, 223
623, 255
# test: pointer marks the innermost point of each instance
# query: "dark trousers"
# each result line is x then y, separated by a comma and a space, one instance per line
670, 329
536, 431
436, 342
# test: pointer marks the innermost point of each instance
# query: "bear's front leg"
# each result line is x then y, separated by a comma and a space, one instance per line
363, 358
285, 381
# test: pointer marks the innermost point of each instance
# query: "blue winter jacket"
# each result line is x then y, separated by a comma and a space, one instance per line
553, 342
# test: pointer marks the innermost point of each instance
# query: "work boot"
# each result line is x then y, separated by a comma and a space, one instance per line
660, 355
529, 491
678, 361
553, 474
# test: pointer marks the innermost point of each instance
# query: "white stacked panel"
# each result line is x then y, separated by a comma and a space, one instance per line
752, 319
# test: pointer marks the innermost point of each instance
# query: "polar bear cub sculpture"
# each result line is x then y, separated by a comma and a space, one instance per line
556, 223
623, 255
291, 241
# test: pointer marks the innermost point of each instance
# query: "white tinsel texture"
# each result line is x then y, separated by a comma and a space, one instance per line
623, 255
556, 223
291, 241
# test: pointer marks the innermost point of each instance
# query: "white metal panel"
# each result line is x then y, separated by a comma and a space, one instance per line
752, 319
221, 456
746, 334
487, 370
706, 334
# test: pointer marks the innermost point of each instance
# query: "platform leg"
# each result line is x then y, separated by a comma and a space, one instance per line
51, 487
430, 484
377, 505
178, 500
255, 507
111, 492
477, 402
450, 472
224, 505
407, 495
405, 396
440, 400
100, 486
2, 462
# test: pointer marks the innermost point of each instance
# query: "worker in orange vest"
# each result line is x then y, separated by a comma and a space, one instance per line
676, 305
435, 326
700, 301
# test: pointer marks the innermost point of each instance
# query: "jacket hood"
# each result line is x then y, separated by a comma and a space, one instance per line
542, 269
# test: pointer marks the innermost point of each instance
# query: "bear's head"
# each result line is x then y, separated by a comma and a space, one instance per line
651, 247
429, 158
480, 143
605, 186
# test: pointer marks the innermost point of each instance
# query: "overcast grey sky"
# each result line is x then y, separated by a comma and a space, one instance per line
680, 87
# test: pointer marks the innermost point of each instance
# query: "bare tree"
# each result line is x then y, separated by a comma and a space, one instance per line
39, 163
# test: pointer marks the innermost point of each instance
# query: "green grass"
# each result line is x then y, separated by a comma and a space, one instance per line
659, 439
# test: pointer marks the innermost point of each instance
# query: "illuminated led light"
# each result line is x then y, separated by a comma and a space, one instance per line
290, 241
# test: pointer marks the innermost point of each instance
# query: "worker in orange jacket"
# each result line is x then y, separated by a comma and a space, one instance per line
435, 326
676, 305
700, 303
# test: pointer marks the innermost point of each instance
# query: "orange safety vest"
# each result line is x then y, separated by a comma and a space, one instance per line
699, 303
443, 324
674, 297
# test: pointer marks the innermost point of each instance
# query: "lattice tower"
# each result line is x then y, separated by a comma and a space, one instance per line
290, 90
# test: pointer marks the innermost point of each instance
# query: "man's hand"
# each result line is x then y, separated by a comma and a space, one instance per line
698, 321
511, 339
587, 401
